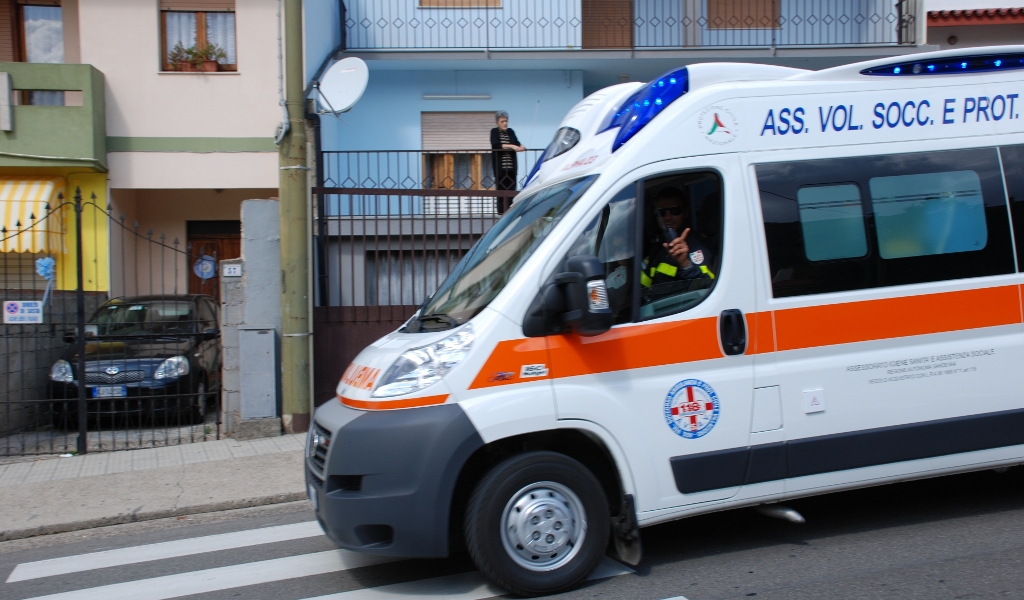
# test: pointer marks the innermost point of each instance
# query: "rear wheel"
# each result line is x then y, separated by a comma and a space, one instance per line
537, 524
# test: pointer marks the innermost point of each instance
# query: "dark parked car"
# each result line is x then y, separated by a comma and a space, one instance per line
145, 357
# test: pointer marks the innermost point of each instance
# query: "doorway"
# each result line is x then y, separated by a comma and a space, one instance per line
210, 242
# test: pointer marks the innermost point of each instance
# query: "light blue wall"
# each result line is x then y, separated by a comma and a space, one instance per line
322, 32
387, 117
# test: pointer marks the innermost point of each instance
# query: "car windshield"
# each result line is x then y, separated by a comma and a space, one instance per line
143, 318
497, 256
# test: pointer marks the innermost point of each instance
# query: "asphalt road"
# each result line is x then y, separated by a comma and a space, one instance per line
952, 537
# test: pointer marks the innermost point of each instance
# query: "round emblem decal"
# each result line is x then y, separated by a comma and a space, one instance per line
691, 408
718, 125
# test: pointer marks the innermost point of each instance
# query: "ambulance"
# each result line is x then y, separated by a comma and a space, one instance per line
730, 286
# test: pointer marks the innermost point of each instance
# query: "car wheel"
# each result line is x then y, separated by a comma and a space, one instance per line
537, 524
198, 404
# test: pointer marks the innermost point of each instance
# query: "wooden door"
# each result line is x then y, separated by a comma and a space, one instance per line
217, 247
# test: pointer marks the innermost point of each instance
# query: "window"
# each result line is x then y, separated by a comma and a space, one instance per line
42, 41
743, 14
449, 141
198, 26
1013, 169
610, 237
687, 206
928, 217
832, 221
933, 213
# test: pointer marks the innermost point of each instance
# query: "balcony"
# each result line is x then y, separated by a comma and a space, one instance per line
373, 25
70, 134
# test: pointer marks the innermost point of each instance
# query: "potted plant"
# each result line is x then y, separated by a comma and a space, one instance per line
180, 58
206, 59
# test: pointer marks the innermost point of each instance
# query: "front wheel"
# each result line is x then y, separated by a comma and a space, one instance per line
537, 524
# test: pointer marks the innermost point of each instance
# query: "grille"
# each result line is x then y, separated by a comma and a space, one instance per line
122, 377
319, 453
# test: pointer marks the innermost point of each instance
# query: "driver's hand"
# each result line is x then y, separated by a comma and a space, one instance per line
680, 250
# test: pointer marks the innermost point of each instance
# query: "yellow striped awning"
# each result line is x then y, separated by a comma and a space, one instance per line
29, 218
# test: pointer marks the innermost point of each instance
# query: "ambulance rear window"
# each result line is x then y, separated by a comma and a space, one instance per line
929, 213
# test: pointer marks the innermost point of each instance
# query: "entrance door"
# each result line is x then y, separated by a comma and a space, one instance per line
670, 381
210, 242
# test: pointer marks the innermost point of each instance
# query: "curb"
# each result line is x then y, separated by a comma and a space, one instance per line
134, 517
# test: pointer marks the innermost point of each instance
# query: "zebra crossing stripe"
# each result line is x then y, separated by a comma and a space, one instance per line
224, 578
163, 550
464, 586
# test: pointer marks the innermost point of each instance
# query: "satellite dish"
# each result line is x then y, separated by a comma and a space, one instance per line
342, 85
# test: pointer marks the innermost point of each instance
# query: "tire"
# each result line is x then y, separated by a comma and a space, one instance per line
197, 409
542, 496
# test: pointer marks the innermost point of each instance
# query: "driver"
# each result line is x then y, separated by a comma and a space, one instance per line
682, 257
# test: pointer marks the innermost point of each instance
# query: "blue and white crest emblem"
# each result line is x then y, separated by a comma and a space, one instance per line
691, 408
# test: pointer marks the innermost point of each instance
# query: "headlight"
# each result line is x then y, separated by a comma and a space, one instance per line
176, 366
420, 367
61, 372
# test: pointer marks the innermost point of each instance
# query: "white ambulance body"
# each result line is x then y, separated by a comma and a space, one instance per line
847, 312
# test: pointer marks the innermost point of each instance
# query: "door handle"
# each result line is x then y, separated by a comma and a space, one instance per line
733, 331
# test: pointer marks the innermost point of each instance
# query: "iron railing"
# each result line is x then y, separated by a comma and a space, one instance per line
392, 224
610, 24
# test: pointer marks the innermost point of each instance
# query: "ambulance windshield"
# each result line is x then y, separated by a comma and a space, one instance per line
497, 256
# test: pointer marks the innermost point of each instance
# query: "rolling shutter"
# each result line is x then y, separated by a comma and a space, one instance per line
743, 14
198, 5
7, 25
457, 130
607, 23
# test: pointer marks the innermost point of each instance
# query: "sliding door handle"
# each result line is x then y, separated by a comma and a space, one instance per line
733, 331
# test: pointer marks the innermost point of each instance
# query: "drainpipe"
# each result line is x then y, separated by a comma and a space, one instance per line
296, 363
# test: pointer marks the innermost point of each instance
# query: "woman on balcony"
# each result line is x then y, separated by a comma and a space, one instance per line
505, 145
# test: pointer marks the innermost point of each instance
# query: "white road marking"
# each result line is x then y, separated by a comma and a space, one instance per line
464, 586
224, 578
164, 550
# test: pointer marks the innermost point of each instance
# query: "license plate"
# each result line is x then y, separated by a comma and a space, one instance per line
110, 391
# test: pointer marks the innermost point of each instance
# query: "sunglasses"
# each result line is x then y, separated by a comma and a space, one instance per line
671, 210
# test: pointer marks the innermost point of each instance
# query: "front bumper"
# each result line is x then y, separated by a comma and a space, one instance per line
388, 477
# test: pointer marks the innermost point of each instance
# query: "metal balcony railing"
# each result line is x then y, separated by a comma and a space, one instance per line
624, 24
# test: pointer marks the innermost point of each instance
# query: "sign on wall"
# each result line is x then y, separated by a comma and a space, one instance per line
23, 312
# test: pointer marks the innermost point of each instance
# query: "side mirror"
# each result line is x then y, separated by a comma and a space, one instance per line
209, 334
576, 298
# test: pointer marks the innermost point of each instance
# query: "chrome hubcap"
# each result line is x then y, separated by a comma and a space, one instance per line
543, 526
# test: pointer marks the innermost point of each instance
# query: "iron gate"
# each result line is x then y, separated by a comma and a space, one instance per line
390, 226
100, 357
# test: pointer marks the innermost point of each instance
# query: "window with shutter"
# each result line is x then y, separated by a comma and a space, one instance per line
456, 151
743, 14
190, 27
607, 23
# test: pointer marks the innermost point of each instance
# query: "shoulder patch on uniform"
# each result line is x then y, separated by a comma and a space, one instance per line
697, 257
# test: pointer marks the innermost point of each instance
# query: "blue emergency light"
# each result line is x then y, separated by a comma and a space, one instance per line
978, 63
639, 109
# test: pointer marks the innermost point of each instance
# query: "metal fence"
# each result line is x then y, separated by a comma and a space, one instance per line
84, 371
390, 227
609, 24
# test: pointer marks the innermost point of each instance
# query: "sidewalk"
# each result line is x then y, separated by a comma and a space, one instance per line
54, 495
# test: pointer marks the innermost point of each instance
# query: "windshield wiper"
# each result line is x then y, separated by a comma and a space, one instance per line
418, 324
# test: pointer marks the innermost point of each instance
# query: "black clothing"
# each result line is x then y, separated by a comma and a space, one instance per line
504, 164
661, 267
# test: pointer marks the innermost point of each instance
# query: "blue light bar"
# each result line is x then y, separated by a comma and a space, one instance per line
648, 102
978, 63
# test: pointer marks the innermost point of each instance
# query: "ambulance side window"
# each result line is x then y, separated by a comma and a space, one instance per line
875, 221
1013, 170
683, 211
610, 238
